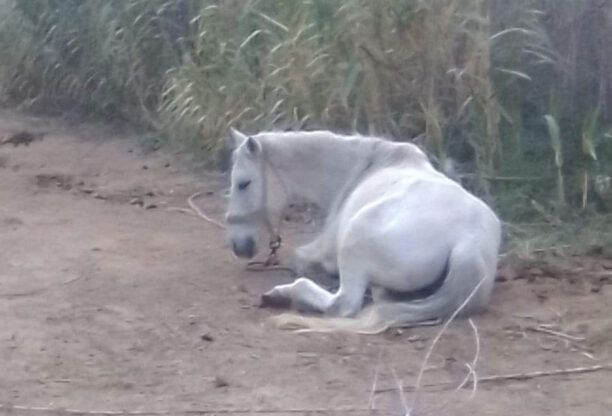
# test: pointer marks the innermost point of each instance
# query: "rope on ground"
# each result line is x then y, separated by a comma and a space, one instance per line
271, 262
195, 210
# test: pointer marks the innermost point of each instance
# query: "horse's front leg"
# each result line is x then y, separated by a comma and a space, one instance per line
304, 294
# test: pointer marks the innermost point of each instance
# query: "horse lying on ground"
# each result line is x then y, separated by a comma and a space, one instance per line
419, 241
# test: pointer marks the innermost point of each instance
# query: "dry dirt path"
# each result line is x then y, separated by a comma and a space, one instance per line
106, 305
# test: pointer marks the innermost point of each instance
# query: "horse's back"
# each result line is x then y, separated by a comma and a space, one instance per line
425, 196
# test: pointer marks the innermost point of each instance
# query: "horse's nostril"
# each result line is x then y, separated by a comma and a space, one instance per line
244, 248
249, 247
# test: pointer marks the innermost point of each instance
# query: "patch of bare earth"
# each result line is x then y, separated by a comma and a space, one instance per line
109, 301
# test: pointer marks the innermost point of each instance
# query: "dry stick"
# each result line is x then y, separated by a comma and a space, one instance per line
437, 338
41, 290
547, 331
66, 411
520, 376
474, 376
536, 374
471, 372
515, 227
400, 391
374, 384
553, 248
472, 366
593, 273
508, 178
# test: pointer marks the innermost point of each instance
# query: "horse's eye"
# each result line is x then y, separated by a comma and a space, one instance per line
243, 185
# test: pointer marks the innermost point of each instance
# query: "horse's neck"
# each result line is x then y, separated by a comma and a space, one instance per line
317, 168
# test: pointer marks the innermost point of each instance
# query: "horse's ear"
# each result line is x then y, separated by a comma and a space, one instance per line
253, 146
234, 138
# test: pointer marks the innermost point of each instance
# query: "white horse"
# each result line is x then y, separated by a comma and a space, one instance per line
394, 225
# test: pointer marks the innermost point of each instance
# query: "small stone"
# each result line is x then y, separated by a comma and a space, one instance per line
542, 295
419, 346
207, 337
220, 382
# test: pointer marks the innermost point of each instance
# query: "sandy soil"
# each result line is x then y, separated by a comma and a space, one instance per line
107, 304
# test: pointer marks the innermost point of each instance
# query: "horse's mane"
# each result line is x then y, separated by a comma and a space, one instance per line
382, 152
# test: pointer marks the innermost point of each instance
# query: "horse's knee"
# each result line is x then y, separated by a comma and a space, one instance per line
301, 284
345, 306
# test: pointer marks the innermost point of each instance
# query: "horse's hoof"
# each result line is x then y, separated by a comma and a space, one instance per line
273, 300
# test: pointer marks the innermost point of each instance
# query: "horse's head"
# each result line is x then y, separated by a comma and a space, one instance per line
246, 214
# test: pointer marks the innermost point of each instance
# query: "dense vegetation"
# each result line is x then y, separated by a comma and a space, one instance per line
515, 98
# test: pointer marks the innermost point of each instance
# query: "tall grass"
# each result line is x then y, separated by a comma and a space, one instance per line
393, 68
480, 82
101, 56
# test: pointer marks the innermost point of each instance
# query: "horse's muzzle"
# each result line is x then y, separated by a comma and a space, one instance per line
244, 248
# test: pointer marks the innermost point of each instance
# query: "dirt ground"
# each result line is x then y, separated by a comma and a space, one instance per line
111, 302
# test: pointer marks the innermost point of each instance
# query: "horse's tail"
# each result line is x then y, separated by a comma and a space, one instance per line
467, 286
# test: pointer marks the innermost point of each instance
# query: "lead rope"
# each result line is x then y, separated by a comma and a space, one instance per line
270, 263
